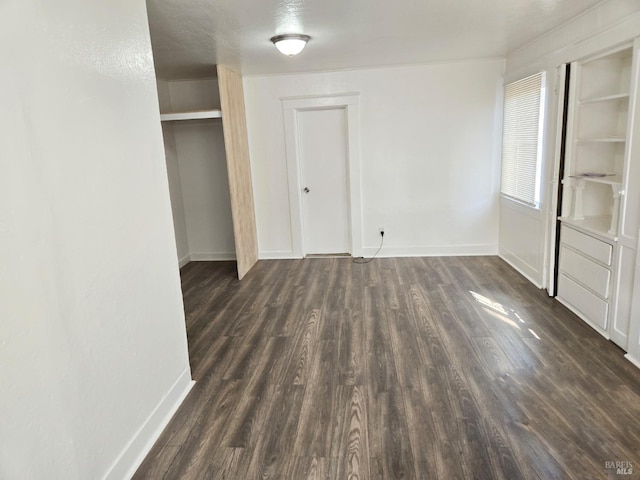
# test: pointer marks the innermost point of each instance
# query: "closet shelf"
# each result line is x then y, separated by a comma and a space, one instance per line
195, 115
605, 98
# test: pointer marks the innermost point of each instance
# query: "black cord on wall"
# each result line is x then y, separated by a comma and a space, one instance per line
367, 260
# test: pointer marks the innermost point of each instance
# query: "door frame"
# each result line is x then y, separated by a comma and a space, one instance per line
290, 108
564, 124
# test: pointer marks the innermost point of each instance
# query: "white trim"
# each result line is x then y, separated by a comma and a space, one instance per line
310, 102
431, 251
635, 361
139, 446
521, 207
184, 260
552, 231
212, 256
560, 27
206, 257
552, 49
583, 317
390, 252
290, 106
523, 268
278, 255
375, 67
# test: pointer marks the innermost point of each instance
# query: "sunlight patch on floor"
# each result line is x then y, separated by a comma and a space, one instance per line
500, 312
502, 318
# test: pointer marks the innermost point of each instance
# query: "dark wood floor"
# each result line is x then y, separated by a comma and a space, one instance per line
416, 368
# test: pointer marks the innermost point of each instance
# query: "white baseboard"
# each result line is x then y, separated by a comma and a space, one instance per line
278, 255
523, 268
184, 260
144, 439
583, 317
632, 360
432, 251
386, 252
212, 256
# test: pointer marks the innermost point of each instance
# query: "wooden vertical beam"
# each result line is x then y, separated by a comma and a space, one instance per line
236, 144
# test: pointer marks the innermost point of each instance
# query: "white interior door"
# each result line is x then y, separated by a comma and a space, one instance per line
322, 143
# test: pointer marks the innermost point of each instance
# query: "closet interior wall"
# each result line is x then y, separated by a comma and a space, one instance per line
197, 172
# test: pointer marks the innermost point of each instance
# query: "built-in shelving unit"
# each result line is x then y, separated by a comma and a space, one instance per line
194, 115
594, 182
600, 110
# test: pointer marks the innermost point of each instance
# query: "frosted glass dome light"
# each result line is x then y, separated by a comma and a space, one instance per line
290, 43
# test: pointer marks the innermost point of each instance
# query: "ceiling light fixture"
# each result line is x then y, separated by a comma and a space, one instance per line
290, 43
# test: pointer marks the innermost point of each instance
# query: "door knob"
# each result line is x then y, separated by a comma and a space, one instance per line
306, 190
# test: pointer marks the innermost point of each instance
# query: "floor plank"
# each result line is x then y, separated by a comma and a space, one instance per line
425, 368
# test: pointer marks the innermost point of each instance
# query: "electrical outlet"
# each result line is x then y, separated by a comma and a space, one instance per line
381, 230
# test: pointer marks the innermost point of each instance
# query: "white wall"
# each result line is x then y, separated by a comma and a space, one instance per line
197, 172
194, 94
175, 189
93, 352
634, 326
205, 189
173, 173
525, 239
430, 155
522, 239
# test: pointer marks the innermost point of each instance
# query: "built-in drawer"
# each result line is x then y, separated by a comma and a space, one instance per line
586, 271
584, 301
592, 247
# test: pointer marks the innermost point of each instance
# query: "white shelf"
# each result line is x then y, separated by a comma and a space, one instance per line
614, 180
605, 98
603, 139
195, 115
598, 225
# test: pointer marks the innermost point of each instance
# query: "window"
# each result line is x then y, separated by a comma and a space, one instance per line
522, 139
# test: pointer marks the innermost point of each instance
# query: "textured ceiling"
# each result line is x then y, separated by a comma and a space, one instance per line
190, 36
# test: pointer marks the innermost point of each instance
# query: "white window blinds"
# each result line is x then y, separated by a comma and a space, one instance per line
521, 139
